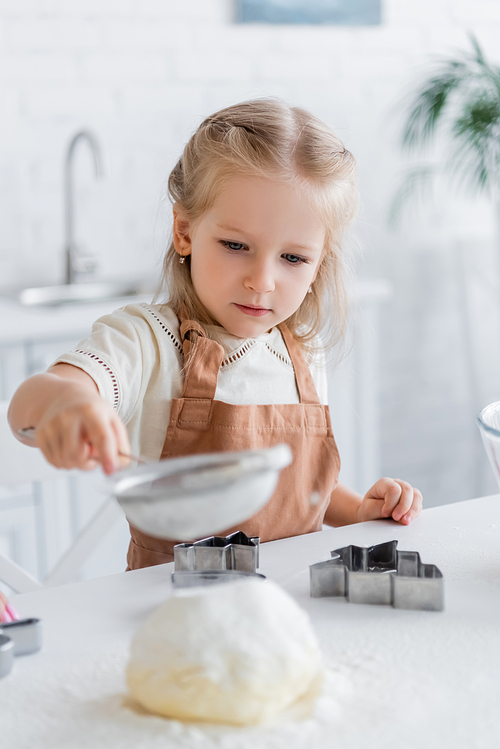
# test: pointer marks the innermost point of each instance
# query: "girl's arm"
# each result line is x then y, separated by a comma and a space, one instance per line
74, 424
388, 498
343, 507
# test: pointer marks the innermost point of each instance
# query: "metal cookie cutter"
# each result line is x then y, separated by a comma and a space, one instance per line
18, 638
235, 552
379, 575
215, 559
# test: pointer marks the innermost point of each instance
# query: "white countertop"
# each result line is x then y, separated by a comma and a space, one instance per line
19, 323
405, 679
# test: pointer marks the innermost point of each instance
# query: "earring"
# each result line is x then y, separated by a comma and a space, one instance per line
309, 290
182, 259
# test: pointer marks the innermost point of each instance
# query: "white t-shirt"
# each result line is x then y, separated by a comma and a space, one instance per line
135, 357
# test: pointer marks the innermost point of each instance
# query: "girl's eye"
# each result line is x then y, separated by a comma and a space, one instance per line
294, 259
233, 245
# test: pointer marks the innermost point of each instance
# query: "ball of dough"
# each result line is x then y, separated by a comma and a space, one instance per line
235, 653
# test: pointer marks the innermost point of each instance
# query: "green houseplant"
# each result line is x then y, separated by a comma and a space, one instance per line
459, 103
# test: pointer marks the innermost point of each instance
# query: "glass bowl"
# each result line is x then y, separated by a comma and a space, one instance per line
489, 425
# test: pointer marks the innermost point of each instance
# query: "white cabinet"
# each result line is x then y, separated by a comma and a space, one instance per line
39, 521
12, 368
39, 355
25, 358
19, 527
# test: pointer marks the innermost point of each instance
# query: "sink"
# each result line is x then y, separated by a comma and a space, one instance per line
79, 293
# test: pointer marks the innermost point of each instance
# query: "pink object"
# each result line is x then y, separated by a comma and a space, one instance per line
5, 618
11, 613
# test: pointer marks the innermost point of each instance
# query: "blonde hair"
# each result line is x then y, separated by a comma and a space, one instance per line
267, 137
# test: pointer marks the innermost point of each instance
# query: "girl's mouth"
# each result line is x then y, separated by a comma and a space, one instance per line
253, 311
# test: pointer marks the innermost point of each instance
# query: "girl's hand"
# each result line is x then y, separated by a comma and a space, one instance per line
75, 426
81, 430
391, 498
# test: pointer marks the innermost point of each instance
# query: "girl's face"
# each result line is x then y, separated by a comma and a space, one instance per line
254, 253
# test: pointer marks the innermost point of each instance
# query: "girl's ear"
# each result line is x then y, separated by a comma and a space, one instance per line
181, 232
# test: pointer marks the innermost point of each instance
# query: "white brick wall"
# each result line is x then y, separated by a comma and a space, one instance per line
142, 73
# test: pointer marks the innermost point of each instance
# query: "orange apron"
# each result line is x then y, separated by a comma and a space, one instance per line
200, 424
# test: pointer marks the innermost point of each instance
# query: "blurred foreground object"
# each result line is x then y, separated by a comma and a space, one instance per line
489, 426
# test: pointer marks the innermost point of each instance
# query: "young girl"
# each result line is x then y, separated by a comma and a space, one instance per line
262, 196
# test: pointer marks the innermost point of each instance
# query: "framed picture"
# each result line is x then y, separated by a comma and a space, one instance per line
343, 12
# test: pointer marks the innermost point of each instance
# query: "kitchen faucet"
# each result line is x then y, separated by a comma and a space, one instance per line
77, 263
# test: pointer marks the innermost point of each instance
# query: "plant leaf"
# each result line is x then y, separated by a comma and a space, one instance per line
477, 49
462, 78
462, 98
415, 181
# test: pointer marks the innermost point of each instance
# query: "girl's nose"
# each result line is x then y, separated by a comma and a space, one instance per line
260, 278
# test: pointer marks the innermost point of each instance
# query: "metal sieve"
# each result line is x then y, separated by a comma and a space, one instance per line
198, 495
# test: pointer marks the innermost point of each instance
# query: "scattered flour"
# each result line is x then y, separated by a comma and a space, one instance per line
87, 706
394, 679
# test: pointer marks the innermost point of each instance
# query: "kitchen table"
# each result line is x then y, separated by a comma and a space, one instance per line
395, 678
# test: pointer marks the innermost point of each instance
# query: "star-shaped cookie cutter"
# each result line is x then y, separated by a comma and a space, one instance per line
379, 575
234, 552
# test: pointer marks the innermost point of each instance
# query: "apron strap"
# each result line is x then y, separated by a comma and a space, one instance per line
188, 326
204, 358
303, 377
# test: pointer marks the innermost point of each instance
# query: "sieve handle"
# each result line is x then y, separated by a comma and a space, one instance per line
30, 433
